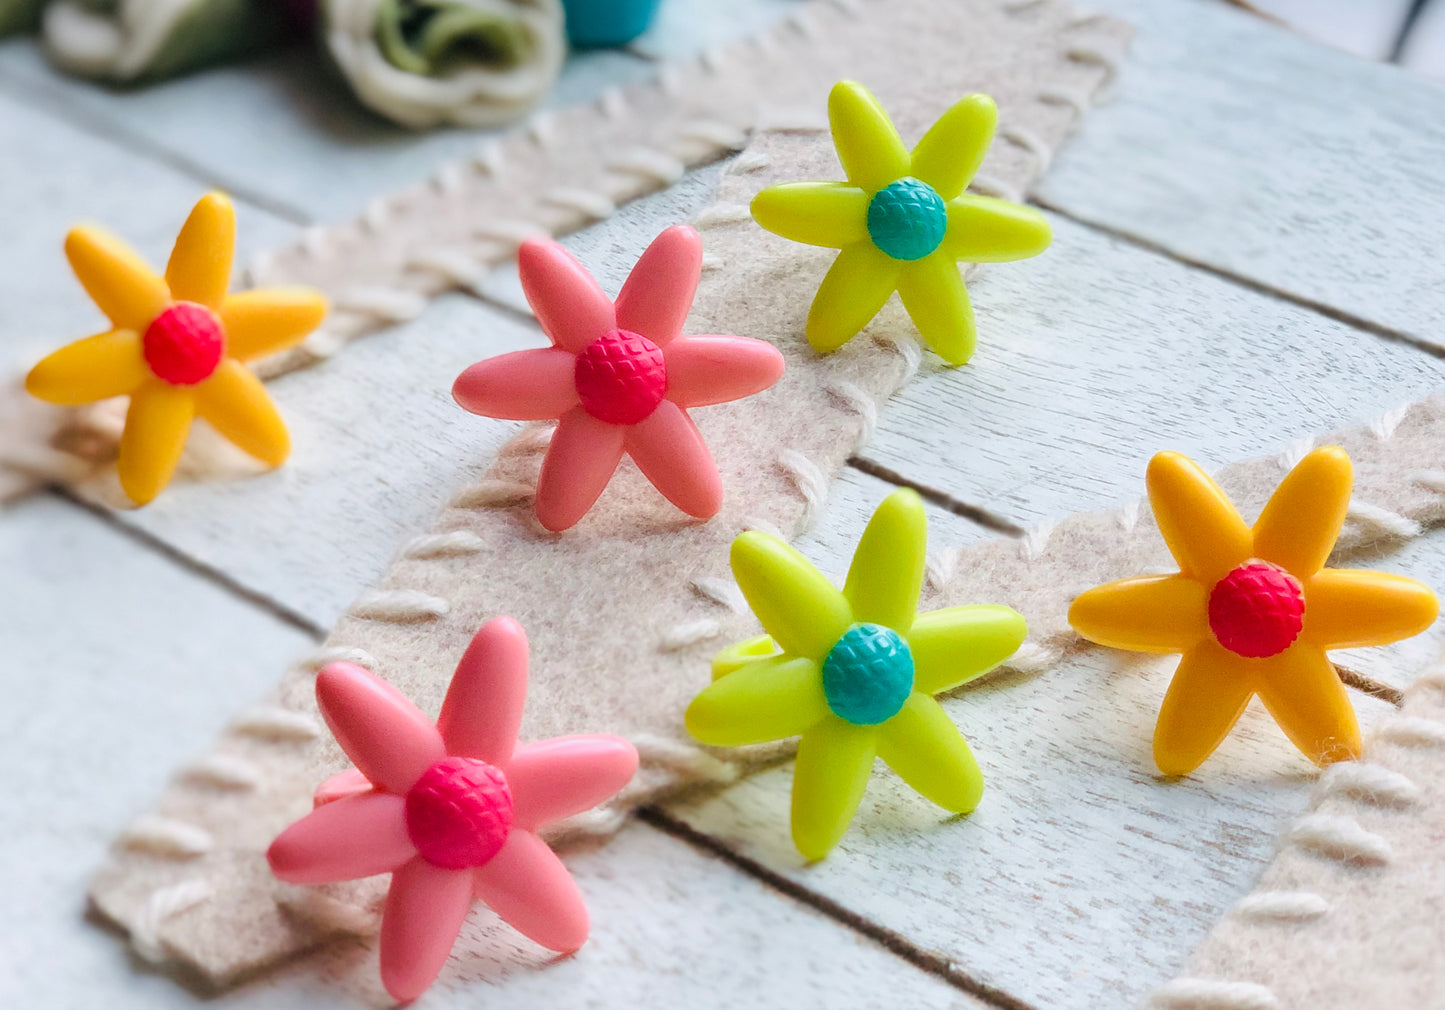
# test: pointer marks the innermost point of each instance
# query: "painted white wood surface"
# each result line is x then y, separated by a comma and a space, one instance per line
1425, 51
1365, 29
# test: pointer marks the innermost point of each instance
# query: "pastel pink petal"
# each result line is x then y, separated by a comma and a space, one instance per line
658, 293
570, 306
425, 909
532, 385
707, 370
552, 779
341, 785
580, 461
483, 706
378, 727
669, 450
358, 836
527, 885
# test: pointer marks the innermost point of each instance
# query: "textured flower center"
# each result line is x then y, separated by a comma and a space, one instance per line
907, 219
1257, 610
459, 813
184, 344
621, 377
868, 675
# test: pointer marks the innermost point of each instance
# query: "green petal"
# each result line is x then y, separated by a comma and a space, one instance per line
869, 147
835, 761
950, 152
933, 293
922, 745
766, 700
794, 602
982, 229
832, 214
855, 288
953, 646
887, 571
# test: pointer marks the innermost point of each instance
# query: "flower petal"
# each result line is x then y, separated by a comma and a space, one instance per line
744, 653
557, 778
266, 320
768, 699
955, 645
527, 885
887, 570
1205, 699
950, 152
200, 266
346, 839
670, 452
96, 368
655, 298
1306, 697
982, 229
925, 748
705, 370
933, 292
854, 289
869, 147
532, 385
1302, 519
483, 707
570, 306
835, 761
378, 727
237, 405
156, 426
1197, 520
832, 214
1347, 608
1153, 613
793, 601
341, 785
122, 284
425, 909
580, 460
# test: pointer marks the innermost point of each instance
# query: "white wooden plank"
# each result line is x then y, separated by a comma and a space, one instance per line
1365, 29
1425, 50
1083, 879
1233, 143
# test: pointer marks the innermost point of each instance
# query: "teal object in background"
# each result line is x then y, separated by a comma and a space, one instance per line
595, 23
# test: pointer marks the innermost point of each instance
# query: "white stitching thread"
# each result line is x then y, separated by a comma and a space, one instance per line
669, 753
1412, 731
1212, 994
1282, 906
722, 214
457, 543
690, 633
398, 606
810, 480
222, 771
274, 723
1339, 837
164, 903
1381, 521
335, 654
167, 837
723, 592
1368, 782
492, 494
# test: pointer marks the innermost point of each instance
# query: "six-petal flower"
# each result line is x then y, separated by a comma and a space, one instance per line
451, 810
1253, 610
902, 222
853, 672
620, 378
176, 346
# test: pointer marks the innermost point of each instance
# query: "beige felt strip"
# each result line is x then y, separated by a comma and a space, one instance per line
624, 609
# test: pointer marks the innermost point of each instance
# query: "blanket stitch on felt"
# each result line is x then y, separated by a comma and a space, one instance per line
646, 599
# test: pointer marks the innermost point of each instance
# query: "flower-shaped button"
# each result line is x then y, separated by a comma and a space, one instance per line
620, 378
902, 221
853, 672
1253, 610
176, 346
452, 810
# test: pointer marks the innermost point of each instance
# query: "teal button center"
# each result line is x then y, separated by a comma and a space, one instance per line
868, 675
907, 219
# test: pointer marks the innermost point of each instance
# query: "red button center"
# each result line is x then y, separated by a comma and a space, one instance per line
459, 813
184, 344
1257, 610
621, 377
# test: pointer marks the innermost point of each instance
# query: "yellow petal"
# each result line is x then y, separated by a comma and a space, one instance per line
742, 654
1207, 696
1348, 608
237, 405
1198, 521
832, 214
835, 761
951, 151
200, 266
1153, 613
1306, 697
957, 644
96, 368
1299, 524
869, 147
925, 748
156, 426
768, 699
982, 229
933, 293
267, 320
122, 284
887, 570
855, 288
793, 601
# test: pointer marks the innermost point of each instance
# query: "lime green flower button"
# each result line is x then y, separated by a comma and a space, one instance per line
902, 222
853, 672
